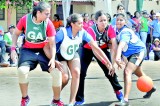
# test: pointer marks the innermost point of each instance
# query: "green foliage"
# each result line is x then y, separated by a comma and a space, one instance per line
2, 4
21, 3
18, 3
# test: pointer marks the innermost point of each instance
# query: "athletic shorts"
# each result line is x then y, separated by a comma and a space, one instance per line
60, 58
137, 58
33, 57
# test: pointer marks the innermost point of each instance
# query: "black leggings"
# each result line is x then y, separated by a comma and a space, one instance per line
86, 56
156, 55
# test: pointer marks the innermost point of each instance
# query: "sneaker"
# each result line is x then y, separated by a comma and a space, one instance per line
25, 102
123, 103
119, 95
57, 103
4, 64
70, 105
148, 94
79, 102
13, 65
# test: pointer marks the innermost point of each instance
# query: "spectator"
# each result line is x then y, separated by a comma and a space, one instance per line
136, 19
86, 24
131, 23
8, 42
57, 22
156, 49
144, 26
3, 63
152, 12
156, 27
92, 20
109, 18
120, 9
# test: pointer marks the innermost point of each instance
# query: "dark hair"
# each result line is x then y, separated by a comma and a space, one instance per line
57, 16
129, 14
114, 15
73, 18
41, 6
152, 12
109, 16
121, 14
11, 26
92, 15
136, 12
124, 17
99, 13
120, 5
85, 14
144, 12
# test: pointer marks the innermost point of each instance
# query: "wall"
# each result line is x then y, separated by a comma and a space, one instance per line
3, 23
83, 8
147, 5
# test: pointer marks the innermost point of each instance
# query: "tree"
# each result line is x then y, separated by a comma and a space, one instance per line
18, 3
15, 3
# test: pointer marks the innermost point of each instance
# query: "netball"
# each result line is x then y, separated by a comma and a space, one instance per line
144, 83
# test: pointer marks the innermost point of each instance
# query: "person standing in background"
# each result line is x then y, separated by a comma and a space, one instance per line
92, 20
120, 9
109, 18
136, 19
57, 22
86, 24
144, 26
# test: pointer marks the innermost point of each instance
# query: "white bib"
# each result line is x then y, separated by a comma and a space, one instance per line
69, 46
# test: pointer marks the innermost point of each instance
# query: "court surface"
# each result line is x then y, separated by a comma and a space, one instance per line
98, 91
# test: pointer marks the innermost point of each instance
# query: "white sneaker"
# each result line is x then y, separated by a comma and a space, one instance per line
4, 64
13, 65
70, 105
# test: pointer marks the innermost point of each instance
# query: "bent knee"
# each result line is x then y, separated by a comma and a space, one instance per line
23, 74
65, 78
56, 77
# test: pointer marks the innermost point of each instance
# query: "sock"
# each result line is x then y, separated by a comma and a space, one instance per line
25, 97
117, 92
56, 100
125, 99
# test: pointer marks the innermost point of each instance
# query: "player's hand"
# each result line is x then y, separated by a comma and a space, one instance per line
119, 63
14, 55
59, 65
111, 70
51, 64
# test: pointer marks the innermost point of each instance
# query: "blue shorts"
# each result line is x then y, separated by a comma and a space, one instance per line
33, 57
